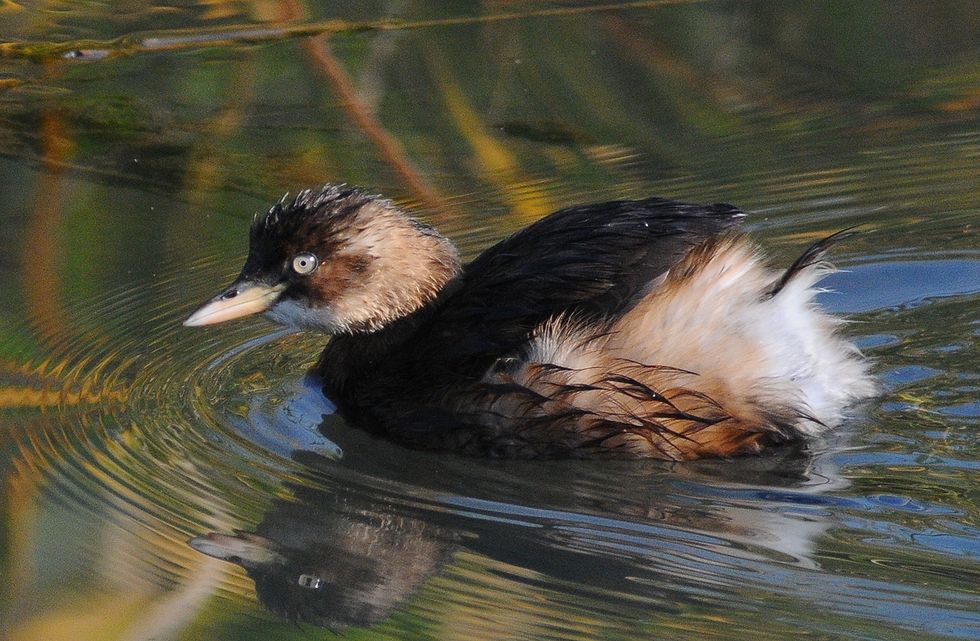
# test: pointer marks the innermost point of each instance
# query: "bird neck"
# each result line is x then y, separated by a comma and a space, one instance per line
403, 265
352, 360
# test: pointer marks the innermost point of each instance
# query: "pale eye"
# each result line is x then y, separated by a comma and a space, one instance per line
305, 263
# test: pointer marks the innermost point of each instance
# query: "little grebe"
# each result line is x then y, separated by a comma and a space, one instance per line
644, 328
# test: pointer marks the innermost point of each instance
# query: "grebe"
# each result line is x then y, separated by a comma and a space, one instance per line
631, 328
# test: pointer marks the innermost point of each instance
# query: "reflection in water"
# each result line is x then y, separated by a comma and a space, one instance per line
339, 555
333, 559
126, 183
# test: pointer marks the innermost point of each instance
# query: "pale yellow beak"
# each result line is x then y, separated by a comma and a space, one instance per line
242, 298
245, 549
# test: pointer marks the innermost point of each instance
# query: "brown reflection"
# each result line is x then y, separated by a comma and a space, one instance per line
340, 555
334, 559
41, 248
362, 116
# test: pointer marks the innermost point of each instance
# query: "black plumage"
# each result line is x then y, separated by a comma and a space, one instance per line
626, 328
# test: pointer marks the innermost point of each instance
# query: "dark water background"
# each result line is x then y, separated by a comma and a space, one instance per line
138, 138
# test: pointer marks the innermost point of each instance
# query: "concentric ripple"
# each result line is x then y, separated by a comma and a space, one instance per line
142, 427
171, 432
161, 482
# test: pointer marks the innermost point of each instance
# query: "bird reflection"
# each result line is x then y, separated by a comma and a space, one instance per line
332, 558
339, 553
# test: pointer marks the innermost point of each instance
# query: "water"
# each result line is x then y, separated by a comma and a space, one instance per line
131, 158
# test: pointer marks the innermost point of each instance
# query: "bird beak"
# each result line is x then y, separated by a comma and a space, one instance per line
243, 549
242, 298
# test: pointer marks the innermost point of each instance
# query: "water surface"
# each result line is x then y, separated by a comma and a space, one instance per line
137, 141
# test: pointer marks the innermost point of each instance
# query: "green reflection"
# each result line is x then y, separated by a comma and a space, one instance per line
128, 179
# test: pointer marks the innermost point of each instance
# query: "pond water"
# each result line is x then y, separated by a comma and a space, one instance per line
136, 141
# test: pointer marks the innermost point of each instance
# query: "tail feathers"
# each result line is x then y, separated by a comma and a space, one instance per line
711, 362
812, 256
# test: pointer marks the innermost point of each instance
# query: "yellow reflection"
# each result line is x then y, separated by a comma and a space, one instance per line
97, 617
496, 163
219, 9
20, 397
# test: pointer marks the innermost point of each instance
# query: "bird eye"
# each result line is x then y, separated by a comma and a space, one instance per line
305, 263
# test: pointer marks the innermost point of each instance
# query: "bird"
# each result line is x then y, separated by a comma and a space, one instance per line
644, 328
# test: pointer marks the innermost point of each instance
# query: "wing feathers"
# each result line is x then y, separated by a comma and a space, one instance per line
594, 261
